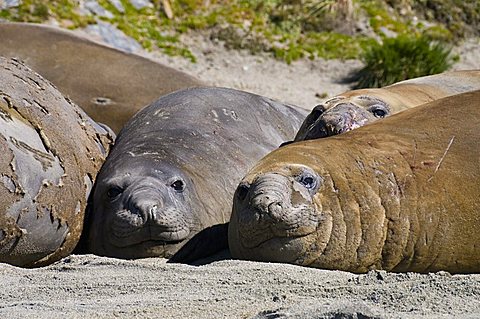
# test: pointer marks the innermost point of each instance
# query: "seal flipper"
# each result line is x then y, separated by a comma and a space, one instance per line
206, 243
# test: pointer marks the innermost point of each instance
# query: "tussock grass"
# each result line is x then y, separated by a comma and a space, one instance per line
401, 58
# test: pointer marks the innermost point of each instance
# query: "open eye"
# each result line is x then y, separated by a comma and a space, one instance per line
242, 191
114, 192
379, 111
178, 185
310, 180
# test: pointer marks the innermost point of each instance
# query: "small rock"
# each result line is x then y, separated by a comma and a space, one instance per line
118, 5
140, 4
97, 9
5, 4
323, 95
388, 33
113, 36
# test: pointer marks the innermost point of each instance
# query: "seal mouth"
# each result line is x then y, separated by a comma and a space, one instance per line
131, 229
145, 249
293, 250
268, 228
349, 125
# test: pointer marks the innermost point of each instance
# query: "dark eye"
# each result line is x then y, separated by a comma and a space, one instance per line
308, 181
178, 185
378, 111
114, 191
242, 191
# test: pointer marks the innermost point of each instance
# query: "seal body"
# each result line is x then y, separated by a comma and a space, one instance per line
175, 166
400, 194
108, 84
51, 152
356, 108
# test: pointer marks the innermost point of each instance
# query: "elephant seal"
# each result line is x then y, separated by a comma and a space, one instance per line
108, 84
400, 194
174, 168
356, 108
51, 153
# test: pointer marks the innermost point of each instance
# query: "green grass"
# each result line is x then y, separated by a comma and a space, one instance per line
286, 29
39, 11
402, 58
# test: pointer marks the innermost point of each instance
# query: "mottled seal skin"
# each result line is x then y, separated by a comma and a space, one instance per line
51, 152
400, 194
356, 108
174, 168
108, 84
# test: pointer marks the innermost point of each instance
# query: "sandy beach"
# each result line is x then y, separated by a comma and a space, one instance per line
87, 286
96, 287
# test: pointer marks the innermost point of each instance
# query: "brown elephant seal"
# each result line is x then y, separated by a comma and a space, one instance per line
400, 194
51, 152
108, 84
356, 108
174, 168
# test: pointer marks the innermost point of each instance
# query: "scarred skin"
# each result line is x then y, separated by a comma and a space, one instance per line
401, 195
168, 182
108, 84
51, 152
356, 108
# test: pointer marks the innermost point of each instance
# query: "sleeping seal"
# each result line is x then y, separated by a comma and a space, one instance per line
174, 168
401, 194
356, 108
51, 153
108, 84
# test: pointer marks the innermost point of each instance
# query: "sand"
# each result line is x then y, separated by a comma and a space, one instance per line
96, 287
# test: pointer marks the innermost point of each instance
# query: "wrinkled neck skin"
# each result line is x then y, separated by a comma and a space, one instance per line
373, 209
137, 213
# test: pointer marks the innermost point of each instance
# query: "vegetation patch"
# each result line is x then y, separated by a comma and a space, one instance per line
287, 29
402, 58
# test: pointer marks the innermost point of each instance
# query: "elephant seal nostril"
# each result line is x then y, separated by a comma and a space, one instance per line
275, 210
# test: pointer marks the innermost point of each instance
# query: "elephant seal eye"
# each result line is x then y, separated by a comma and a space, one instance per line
308, 181
242, 191
379, 113
114, 192
178, 186
378, 110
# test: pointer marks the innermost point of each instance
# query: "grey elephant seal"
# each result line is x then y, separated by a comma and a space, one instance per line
108, 84
400, 194
356, 108
174, 168
51, 153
